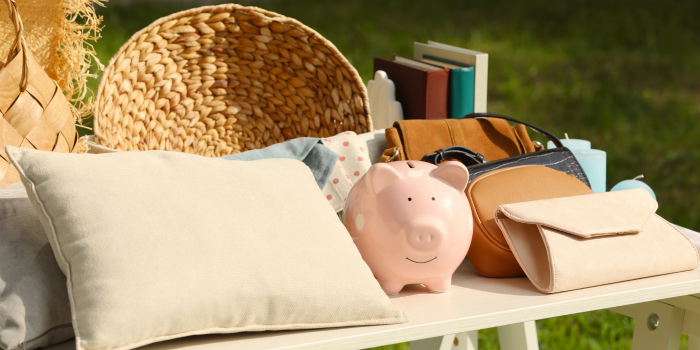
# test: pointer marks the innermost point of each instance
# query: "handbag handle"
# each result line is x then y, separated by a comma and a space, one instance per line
458, 153
19, 45
541, 131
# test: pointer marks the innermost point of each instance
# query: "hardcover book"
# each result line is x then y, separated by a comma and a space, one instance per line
421, 88
460, 95
460, 57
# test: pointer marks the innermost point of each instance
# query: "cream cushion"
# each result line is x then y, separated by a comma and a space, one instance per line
160, 245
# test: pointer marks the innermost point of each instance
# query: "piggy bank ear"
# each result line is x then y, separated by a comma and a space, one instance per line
380, 176
452, 173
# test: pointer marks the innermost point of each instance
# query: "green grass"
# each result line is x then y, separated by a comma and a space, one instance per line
623, 74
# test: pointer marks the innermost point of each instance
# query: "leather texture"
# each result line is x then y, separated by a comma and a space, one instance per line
561, 248
413, 138
494, 138
557, 158
489, 252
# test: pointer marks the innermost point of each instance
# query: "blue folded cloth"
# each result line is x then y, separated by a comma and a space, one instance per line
309, 150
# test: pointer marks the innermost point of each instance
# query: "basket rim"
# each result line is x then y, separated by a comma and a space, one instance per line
222, 8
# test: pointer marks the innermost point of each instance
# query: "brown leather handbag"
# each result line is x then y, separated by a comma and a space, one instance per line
489, 252
485, 133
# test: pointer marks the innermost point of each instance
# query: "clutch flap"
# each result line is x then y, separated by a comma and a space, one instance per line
586, 216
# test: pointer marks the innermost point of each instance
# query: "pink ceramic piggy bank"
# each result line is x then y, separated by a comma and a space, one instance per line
411, 222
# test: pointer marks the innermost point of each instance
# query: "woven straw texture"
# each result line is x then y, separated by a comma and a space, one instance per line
224, 79
33, 111
57, 33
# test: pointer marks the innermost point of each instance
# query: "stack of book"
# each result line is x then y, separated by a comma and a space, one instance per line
440, 81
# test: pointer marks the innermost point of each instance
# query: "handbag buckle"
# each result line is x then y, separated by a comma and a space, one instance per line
396, 154
538, 145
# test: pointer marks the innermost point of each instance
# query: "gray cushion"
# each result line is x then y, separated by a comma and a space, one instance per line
34, 306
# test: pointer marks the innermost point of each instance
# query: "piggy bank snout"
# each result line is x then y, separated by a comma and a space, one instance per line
424, 237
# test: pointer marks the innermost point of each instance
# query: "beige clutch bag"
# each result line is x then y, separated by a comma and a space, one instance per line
593, 239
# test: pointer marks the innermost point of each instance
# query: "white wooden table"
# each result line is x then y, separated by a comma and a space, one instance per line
475, 302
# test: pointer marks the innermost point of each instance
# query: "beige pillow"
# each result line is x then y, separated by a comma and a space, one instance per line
160, 245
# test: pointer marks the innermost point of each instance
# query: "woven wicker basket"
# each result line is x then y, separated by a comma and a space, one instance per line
224, 79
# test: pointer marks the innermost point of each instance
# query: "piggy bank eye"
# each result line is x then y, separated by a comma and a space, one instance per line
409, 199
433, 198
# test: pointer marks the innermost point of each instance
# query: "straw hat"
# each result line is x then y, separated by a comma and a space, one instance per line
57, 42
34, 113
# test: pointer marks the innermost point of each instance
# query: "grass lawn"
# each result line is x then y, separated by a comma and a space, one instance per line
623, 74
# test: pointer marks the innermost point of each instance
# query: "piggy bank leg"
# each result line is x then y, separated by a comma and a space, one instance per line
389, 287
441, 286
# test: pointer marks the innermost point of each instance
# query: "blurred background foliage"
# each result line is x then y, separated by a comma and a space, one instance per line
623, 74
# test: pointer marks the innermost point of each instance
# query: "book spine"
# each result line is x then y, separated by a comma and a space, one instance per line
461, 92
410, 84
436, 94
481, 71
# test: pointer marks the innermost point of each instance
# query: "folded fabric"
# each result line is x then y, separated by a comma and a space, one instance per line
308, 150
376, 144
351, 166
34, 306
158, 245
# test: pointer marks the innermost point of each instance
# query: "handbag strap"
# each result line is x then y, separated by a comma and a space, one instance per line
19, 45
458, 153
541, 131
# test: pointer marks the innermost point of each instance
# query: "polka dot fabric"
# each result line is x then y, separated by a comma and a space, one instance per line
350, 167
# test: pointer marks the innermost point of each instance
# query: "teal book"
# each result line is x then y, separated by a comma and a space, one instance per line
461, 87
461, 92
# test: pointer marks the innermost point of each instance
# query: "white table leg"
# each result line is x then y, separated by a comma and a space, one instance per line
664, 334
447, 342
693, 343
519, 336
467, 341
438, 343
462, 341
